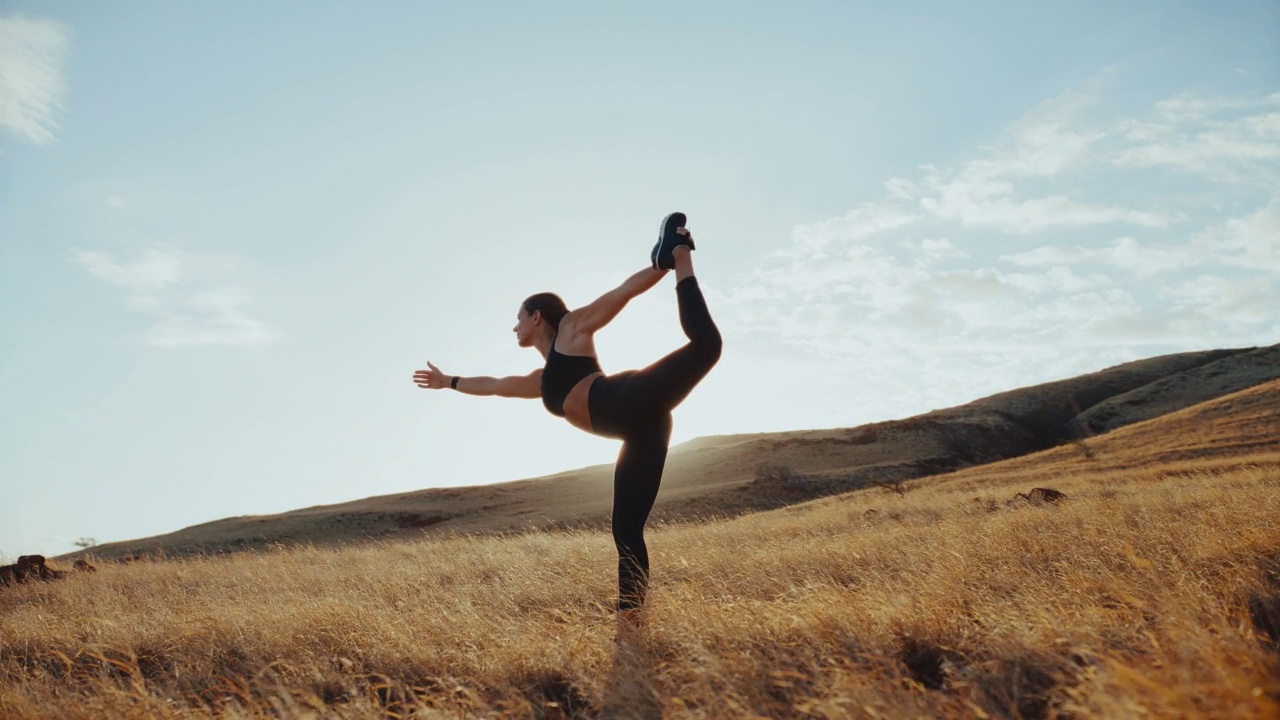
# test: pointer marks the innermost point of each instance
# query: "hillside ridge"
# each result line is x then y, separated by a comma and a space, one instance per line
716, 476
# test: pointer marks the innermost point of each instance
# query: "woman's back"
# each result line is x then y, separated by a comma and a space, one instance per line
561, 373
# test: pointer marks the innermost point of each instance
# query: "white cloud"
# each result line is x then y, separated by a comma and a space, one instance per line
1047, 140
1046, 143
1188, 106
901, 188
183, 316
1251, 243
973, 205
930, 251
211, 317
1218, 306
155, 269
32, 84
1057, 279
1126, 253
1228, 139
861, 222
992, 276
1046, 255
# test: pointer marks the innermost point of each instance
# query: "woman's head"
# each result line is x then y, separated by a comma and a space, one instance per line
539, 313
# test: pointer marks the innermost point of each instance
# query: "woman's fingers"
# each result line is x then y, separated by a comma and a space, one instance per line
430, 379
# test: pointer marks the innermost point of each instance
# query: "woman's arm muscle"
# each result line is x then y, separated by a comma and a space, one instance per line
513, 386
602, 310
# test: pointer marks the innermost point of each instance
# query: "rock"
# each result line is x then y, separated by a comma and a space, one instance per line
1039, 496
29, 567
1264, 612
1046, 495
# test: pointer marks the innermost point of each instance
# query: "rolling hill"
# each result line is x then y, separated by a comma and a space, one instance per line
1212, 406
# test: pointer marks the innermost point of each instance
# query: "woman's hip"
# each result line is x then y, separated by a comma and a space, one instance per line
619, 409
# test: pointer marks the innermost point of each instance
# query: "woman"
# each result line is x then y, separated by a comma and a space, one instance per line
633, 406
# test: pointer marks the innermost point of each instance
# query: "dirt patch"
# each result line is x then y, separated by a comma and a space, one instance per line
409, 520
926, 663
1264, 613
554, 696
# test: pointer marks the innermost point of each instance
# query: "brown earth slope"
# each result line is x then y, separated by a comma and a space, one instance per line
1176, 391
727, 475
1240, 429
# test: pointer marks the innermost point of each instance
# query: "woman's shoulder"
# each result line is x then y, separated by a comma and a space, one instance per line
571, 341
568, 325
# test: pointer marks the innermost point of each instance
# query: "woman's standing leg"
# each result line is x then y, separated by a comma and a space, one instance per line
636, 478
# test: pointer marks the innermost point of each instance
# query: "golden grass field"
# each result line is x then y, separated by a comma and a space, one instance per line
1152, 591
1129, 599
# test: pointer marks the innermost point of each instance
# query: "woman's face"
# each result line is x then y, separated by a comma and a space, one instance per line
526, 327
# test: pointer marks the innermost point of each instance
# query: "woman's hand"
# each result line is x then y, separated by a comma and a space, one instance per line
431, 378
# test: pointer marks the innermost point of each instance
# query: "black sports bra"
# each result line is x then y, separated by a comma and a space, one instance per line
561, 373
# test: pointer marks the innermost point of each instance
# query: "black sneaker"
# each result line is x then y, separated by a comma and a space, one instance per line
668, 240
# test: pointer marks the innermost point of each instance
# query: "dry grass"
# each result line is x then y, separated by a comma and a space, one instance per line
1130, 599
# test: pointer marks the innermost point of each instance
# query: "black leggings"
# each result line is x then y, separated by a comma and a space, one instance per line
635, 406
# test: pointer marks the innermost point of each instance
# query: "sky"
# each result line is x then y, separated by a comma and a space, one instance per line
230, 232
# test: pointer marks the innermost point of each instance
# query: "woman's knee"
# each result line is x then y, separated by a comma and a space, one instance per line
710, 344
627, 536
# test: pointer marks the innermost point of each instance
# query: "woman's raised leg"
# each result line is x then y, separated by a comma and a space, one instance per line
665, 383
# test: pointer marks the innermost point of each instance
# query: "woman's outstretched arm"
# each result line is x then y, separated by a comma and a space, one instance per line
513, 386
592, 317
